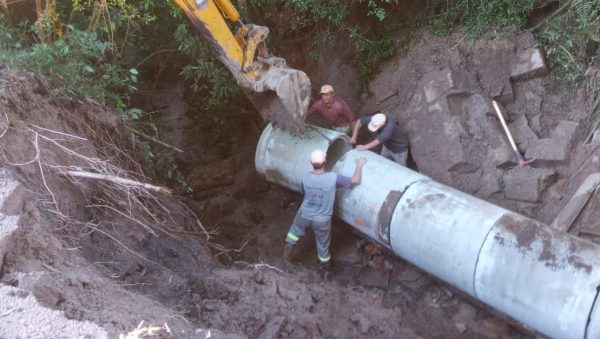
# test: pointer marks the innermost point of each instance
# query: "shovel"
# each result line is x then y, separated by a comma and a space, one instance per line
520, 160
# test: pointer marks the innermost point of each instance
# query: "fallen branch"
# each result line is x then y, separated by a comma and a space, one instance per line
7, 125
146, 136
37, 152
117, 180
259, 266
57, 132
589, 232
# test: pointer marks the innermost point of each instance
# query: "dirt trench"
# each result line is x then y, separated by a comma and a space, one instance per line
113, 256
106, 255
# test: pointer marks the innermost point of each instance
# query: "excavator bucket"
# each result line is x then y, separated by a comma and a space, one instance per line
282, 97
279, 93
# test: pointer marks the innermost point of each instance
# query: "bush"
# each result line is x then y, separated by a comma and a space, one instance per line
481, 16
75, 64
571, 38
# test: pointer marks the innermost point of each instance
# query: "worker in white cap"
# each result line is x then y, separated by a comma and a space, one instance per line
315, 212
334, 109
387, 133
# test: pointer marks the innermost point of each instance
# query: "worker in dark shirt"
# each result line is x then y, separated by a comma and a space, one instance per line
387, 133
334, 109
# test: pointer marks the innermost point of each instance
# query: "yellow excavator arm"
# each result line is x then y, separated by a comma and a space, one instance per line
279, 93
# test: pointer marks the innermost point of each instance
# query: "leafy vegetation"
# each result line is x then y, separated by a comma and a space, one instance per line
571, 38
371, 49
480, 16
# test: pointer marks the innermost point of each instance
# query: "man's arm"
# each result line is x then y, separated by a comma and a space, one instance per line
348, 182
360, 162
313, 108
385, 135
370, 145
357, 126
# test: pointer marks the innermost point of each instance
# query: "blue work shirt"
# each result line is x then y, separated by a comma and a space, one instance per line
319, 194
389, 135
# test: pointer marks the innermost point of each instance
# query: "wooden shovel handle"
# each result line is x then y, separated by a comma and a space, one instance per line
510, 138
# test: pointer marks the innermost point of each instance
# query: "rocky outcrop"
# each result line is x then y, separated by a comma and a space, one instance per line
454, 132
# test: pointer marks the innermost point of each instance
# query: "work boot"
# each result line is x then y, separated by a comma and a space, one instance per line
287, 251
326, 271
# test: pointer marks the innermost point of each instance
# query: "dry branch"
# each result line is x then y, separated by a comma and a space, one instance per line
111, 167
259, 266
117, 180
7, 125
146, 136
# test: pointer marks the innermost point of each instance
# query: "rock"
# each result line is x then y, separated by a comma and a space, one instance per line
272, 328
520, 130
447, 81
361, 322
460, 327
438, 147
548, 149
554, 194
490, 185
463, 81
529, 63
564, 130
533, 103
492, 61
371, 277
525, 41
215, 333
536, 123
397, 296
438, 83
473, 111
8, 223
494, 328
526, 183
502, 155
507, 94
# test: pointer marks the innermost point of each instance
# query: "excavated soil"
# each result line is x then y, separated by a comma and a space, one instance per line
115, 256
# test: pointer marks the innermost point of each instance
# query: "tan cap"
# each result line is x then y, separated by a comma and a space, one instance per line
326, 89
377, 121
317, 157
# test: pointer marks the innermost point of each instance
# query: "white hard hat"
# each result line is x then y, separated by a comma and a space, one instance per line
377, 121
317, 157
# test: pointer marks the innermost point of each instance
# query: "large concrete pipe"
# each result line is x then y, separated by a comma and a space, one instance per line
539, 276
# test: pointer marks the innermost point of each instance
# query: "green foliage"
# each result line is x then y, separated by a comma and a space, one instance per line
372, 49
207, 75
173, 173
75, 64
481, 16
376, 7
313, 11
572, 39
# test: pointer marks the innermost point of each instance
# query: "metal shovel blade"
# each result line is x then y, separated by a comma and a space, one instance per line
284, 98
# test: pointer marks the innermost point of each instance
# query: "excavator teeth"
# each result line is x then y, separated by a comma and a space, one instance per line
284, 99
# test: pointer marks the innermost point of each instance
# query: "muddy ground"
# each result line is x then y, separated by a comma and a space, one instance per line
115, 255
